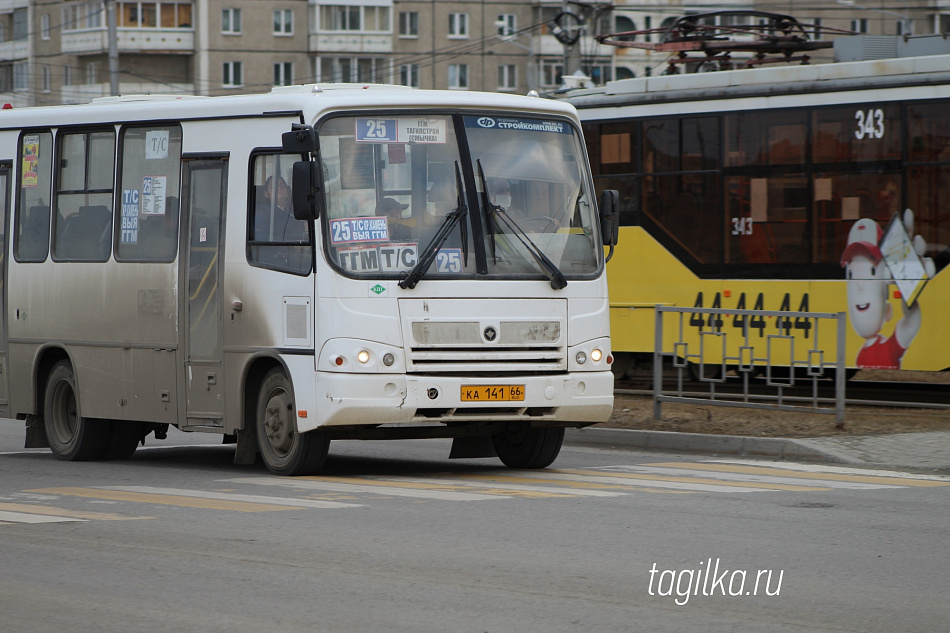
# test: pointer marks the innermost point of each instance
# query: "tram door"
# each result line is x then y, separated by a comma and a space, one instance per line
204, 199
4, 217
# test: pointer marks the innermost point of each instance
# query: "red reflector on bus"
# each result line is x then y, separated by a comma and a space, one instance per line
301, 414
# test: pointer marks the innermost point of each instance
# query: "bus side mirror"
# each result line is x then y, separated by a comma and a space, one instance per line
300, 140
610, 216
307, 190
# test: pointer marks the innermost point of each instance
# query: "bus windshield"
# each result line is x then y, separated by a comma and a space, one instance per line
523, 205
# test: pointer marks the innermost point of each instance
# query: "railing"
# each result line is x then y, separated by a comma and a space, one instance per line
775, 354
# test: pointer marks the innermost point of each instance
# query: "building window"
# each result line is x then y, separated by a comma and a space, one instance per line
21, 25
284, 22
353, 69
409, 75
47, 82
409, 24
458, 76
507, 77
44, 26
142, 15
551, 73
507, 24
67, 75
816, 33
21, 76
232, 75
354, 18
647, 25
860, 25
91, 72
283, 74
942, 23
231, 21
458, 25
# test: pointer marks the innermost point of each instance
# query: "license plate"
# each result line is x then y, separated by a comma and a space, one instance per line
493, 393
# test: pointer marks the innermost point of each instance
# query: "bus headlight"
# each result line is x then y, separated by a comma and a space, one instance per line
388, 359
363, 356
596, 355
581, 358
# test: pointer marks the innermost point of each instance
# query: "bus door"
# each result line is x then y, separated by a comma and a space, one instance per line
4, 368
204, 199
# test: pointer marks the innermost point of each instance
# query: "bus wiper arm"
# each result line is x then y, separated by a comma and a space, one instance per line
554, 275
429, 253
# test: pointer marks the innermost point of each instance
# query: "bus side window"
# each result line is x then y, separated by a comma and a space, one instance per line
33, 242
275, 238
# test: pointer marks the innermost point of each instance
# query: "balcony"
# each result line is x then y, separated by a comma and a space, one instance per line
350, 42
17, 49
96, 41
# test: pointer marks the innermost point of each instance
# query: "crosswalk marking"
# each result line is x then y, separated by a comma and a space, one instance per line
63, 513
443, 492
318, 492
178, 497
26, 517
827, 478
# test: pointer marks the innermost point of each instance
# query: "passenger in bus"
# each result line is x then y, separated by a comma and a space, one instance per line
400, 229
274, 220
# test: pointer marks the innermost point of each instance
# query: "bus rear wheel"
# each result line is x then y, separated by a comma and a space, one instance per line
71, 437
284, 450
520, 446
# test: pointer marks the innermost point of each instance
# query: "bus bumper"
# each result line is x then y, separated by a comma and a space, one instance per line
353, 399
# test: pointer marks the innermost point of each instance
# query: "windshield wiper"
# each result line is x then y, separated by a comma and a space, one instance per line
429, 253
496, 212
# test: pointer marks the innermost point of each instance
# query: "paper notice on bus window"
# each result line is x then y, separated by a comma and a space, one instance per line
31, 158
905, 265
156, 144
401, 130
130, 216
759, 195
153, 195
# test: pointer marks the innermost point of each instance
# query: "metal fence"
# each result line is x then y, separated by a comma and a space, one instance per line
776, 363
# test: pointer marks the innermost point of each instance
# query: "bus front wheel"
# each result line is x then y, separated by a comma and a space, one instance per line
284, 450
71, 437
521, 446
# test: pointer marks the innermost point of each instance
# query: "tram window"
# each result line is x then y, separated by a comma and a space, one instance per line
686, 207
275, 238
700, 144
31, 235
82, 220
629, 189
928, 129
147, 229
768, 220
927, 187
612, 147
765, 138
661, 145
853, 133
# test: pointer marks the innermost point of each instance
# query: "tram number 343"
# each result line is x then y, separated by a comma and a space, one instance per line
785, 325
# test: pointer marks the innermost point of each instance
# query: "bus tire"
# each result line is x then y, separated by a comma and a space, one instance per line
520, 446
283, 449
71, 437
124, 438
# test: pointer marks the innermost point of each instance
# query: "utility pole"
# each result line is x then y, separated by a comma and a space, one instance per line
113, 49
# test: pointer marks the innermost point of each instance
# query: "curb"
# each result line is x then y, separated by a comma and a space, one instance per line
778, 448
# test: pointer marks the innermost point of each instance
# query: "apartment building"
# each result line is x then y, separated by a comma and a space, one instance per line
55, 52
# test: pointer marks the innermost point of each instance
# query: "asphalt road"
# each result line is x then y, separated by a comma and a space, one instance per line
395, 537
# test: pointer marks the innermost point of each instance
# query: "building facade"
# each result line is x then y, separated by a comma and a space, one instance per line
54, 52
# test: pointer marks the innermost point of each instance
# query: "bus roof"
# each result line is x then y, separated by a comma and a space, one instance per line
311, 101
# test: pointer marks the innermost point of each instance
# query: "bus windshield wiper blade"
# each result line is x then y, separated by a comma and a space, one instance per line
429, 253
554, 275
552, 272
